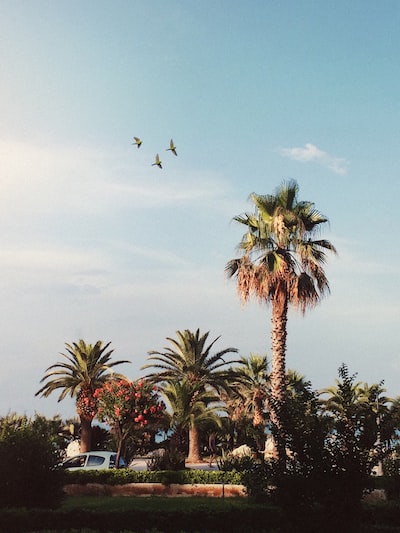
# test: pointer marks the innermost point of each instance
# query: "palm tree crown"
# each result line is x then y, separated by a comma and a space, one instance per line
86, 368
280, 256
190, 407
189, 358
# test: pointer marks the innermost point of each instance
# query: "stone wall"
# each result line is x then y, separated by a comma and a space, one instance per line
156, 489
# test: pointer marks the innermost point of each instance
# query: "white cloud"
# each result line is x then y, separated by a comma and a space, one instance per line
311, 153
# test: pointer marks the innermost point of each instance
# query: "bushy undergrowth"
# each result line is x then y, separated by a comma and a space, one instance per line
27, 476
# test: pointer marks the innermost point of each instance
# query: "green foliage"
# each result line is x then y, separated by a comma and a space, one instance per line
242, 463
27, 474
87, 367
126, 475
329, 457
127, 404
391, 466
191, 378
191, 406
190, 358
258, 481
50, 429
102, 439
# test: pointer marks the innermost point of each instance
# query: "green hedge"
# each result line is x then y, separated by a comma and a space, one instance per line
249, 519
167, 477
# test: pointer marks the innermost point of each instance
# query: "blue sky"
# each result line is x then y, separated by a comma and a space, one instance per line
96, 243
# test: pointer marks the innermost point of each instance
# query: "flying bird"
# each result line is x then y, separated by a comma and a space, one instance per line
172, 147
157, 162
138, 142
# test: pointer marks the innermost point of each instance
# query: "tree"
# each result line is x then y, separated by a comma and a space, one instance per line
250, 386
87, 368
192, 408
127, 406
281, 264
308, 427
357, 412
190, 360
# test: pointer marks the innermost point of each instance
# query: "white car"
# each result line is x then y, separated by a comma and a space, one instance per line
93, 461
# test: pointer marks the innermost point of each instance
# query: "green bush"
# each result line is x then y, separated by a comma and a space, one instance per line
27, 474
258, 481
242, 463
171, 459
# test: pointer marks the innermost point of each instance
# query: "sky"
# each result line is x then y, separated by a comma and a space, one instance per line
96, 243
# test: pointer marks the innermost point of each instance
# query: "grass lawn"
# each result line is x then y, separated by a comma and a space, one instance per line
151, 503
154, 514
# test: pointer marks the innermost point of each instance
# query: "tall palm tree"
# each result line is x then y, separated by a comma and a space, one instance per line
87, 368
281, 264
190, 360
191, 409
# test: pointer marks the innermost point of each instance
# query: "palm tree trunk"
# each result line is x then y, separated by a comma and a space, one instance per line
277, 401
258, 422
258, 419
86, 433
194, 446
120, 438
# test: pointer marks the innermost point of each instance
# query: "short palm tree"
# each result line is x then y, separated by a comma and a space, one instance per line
281, 264
191, 409
190, 360
87, 368
252, 380
250, 388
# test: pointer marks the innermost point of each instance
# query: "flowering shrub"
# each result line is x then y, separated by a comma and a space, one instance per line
128, 406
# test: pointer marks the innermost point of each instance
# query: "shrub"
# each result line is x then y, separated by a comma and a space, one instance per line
258, 481
171, 459
27, 474
240, 463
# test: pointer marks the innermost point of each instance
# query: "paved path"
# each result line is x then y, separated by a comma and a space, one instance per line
140, 464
